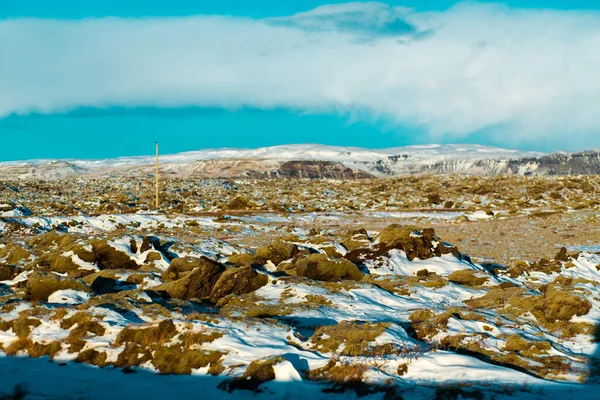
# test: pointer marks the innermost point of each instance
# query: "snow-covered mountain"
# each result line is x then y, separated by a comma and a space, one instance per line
318, 161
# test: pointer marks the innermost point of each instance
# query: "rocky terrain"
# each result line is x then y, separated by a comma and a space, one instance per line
415, 287
318, 162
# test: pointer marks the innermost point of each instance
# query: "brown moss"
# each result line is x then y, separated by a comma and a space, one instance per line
36, 349
339, 373
40, 285
262, 370
22, 326
109, 257
237, 281
175, 360
516, 343
355, 337
467, 277
161, 333
560, 305
93, 357
198, 283
7, 272
420, 316
320, 267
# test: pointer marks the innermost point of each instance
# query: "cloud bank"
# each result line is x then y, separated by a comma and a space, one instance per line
523, 75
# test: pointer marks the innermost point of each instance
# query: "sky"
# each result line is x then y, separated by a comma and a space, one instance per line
103, 79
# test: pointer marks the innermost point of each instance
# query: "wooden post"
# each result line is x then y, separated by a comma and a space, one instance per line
157, 175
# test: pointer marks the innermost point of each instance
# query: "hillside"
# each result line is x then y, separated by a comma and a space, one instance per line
317, 161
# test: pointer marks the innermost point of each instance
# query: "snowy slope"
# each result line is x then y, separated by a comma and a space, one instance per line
475, 159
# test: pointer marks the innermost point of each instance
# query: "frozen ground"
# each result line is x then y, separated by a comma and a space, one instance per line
289, 305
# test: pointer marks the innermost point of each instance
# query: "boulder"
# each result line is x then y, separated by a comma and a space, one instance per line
322, 268
7, 272
181, 266
14, 254
276, 252
196, 284
415, 244
109, 257
560, 305
238, 281
42, 284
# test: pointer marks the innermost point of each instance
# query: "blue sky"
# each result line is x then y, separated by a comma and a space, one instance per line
104, 79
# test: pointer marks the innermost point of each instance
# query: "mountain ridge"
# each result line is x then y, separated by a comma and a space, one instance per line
318, 161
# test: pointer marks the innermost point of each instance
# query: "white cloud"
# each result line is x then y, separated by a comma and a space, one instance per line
534, 73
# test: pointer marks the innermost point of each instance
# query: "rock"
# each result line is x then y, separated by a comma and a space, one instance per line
7, 272
240, 203
276, 252
434, 198
153, 256
46, 240
320, 267
244, 260
41, 284
562, 255
111, 258
196, 284
238, 281
133, 246
181, 266
422, 245
14, 254
466, 277
559, 305
149, 242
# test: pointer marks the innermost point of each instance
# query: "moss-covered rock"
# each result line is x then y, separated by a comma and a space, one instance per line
415, 244
182, 266
559, 305
198, 283
41, 284
320, 267
276, 252
238, 281
153, 256
110, 257
14, 254
244, 260
467, 277
240, 203
7, 272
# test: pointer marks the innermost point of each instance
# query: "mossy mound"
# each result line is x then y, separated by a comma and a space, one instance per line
466, 277
199, 283
396, 233
322, 268
7, 272
355, 337
415, 244
45, 240
14, 254
182, 266
238, 281
244, 260
110, 257
276, 252
240, 203
558, 304
262, 370
153, 256
41, 284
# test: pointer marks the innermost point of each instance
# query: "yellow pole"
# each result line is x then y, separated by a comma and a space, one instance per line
157, 175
